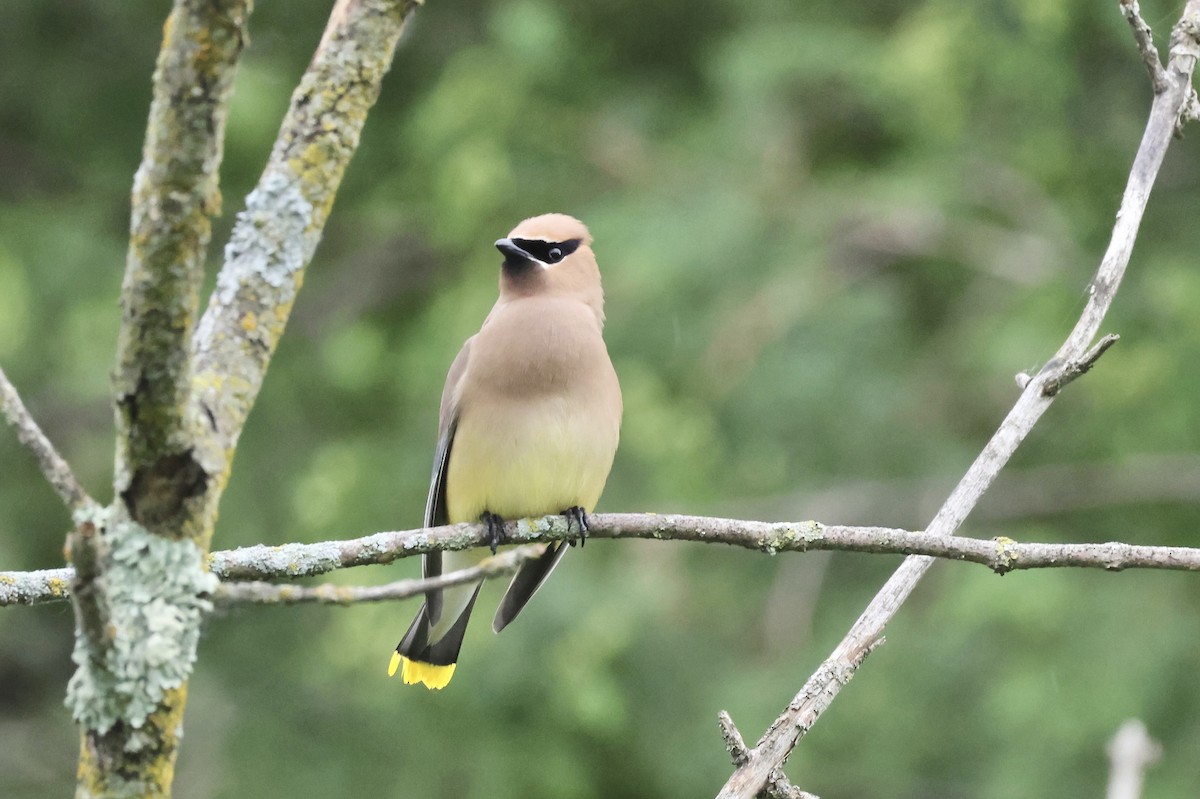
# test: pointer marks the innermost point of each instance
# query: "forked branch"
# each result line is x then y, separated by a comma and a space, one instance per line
1173, 96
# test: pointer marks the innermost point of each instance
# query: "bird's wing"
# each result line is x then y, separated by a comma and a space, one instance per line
435, 504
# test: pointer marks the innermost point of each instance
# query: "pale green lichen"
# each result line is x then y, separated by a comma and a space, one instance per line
155, 595
269, 242
1006, 557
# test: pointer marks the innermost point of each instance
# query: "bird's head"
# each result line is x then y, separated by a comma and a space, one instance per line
551, 254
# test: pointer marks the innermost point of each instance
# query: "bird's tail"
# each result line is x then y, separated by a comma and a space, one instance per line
429, 651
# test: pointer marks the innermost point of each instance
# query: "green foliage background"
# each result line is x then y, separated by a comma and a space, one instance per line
831, 233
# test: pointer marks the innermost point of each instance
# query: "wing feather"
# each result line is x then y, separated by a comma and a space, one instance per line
435, 503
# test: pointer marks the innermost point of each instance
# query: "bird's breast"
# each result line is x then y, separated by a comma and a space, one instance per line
529, 459
537, 428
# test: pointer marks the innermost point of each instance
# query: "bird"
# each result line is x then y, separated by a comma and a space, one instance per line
528, 426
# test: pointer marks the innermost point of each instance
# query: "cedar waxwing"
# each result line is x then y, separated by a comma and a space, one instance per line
529, 421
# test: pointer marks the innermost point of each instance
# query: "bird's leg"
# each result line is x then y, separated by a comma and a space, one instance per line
495, 529
579, 516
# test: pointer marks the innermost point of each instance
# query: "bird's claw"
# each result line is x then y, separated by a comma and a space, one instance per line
579, 516
495, 530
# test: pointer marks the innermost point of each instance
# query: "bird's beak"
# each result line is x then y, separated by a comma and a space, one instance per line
513, 255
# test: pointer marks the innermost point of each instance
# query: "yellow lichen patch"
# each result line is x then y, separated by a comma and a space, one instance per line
4, 578
249, 323
165, 723
151, 768
57, 587
311, 164
1006, 556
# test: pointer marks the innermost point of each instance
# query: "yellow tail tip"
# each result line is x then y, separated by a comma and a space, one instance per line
414, 671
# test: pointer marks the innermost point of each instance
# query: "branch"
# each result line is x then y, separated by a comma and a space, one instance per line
53, 467
1131, 750
1001, 555
778, 786
823, 686
275, 237
182, 394
1072, 369
1144, 39
129, 724
272, 594
175, 194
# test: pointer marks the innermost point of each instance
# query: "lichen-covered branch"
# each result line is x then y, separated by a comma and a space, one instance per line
1001, 555
175, 195
1170, 102
35, 587
278, 231
183, 394
145, 596
53, 467
261, 593
138, 582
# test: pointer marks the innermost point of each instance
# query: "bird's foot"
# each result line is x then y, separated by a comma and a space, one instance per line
495, 530
579, 516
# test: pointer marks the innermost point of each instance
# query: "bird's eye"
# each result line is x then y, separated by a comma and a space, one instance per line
555, 255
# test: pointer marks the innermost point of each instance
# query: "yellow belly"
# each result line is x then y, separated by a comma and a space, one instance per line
534, 457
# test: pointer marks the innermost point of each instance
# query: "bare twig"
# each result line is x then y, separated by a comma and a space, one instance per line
1131, 750
273, 594
1144, 39
1001, 555
1072, 369
816, 695
734, 743
53, 467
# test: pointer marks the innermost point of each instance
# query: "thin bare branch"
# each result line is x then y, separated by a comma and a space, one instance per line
54, 468
734, 743
274, 594
823, 686
1001, 555
1130, 751
1144, 38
